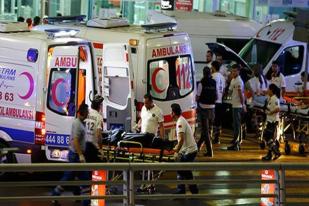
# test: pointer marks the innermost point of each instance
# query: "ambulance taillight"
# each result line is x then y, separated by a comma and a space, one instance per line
40, 128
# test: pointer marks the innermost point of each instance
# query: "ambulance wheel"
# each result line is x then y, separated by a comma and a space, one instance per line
287, 149
301, 149
7, 158
262, 144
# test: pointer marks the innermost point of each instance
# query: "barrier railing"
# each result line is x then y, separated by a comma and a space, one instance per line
237, 180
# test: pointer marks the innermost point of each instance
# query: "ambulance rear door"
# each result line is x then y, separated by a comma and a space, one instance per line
118, 87
67, 88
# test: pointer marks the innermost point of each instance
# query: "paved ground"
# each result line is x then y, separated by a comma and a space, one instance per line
250, 151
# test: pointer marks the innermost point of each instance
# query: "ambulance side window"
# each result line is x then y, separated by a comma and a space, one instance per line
170, 78
291, 60
118, 82
159, 78
61, 91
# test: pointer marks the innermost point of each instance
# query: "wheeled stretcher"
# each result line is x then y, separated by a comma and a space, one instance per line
293, 124
131, 147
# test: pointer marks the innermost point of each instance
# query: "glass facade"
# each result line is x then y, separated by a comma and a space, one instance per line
11, 9
135, 10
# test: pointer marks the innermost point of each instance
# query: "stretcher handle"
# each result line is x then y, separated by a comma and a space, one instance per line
130, 142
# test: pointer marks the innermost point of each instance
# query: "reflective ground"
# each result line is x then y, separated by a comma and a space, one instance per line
250, 151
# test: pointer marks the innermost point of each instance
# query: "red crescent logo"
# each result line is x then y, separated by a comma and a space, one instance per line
153, 80
54, 93
31, 86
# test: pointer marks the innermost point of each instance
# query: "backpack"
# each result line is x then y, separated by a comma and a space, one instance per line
209, 91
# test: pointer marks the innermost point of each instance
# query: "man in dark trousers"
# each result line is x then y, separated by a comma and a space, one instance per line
76, 153
185, 150
206, 98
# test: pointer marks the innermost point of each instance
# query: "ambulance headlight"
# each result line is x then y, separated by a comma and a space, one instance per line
32, 55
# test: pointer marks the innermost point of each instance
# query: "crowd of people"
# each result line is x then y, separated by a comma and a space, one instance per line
217, 81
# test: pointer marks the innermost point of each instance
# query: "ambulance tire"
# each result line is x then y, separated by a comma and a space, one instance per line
10, 157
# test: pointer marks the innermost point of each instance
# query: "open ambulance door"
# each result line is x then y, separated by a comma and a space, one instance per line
66, 90
117, 87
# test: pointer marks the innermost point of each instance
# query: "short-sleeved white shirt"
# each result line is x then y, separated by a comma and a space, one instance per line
151, 119
235, 85
220, 83
224, 71
189, 144
272, 104
93, 122
256, 86
278, 81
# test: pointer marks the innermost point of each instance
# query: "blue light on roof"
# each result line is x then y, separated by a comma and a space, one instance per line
32, 55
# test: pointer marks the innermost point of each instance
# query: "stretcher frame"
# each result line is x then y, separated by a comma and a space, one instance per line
137, 153
289, 119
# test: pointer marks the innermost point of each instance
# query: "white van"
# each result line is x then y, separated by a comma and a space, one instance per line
44, 77
275, 42
230, 30
139, 60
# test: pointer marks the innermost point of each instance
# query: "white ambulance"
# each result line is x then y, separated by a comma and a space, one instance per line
44, 77
275, 42
139, 60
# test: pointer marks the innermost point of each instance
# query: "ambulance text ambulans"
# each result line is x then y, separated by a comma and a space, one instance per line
44, 77
136, 60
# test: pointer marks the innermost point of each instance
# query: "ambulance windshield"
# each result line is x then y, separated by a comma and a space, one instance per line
258, 52
170, 78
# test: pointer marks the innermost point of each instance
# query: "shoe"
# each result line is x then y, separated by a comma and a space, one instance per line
234, 147
208, 154
57, 191
268, 156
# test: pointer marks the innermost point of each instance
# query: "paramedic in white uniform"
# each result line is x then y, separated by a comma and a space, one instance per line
151, 118
94, 127
272, 118
277, 78
185, 150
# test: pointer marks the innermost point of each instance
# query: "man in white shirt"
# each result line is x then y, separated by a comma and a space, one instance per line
223, 69
272, 119
186, 148
151, 118
277, 78
220, 84
209, 58
94, 127
238, 106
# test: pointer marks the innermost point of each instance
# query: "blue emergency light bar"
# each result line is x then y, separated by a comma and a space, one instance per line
64, 19
53, 33
160, 26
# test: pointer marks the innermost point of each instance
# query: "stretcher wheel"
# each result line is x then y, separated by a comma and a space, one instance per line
301, 149
262, 144
287, 149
